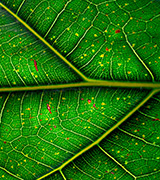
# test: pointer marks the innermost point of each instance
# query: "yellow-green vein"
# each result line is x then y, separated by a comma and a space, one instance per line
85, 84
10, 173
116, 161
104, 135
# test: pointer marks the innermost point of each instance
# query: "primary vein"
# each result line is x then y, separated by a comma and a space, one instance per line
96, 83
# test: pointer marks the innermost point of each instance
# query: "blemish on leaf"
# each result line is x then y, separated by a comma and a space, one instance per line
117, 31
89, 101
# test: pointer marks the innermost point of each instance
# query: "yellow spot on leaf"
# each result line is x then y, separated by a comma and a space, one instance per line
103, 103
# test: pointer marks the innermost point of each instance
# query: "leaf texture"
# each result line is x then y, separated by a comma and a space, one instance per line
79, 89
115, 40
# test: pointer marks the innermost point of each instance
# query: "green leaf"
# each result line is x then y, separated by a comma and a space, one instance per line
96, 66
130, 152
84, 31
19, 50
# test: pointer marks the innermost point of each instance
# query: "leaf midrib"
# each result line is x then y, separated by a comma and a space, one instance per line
97, 83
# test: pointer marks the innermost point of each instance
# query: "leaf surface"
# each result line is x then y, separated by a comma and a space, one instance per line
96, 66
114, 40
130, 152
20, 50
32, 137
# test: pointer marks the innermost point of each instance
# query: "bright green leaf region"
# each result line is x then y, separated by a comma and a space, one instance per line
117, 40
79, 90
20, 50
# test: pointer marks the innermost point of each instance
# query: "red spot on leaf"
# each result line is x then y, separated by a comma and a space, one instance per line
117, 31
4, 142
89, 101
155, 119
107, 49
35, 65
49, 108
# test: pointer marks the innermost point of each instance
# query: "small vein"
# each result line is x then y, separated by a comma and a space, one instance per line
116, 161
139, 58
138, 137
4, 104
10, 173
20, 6
62, 175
